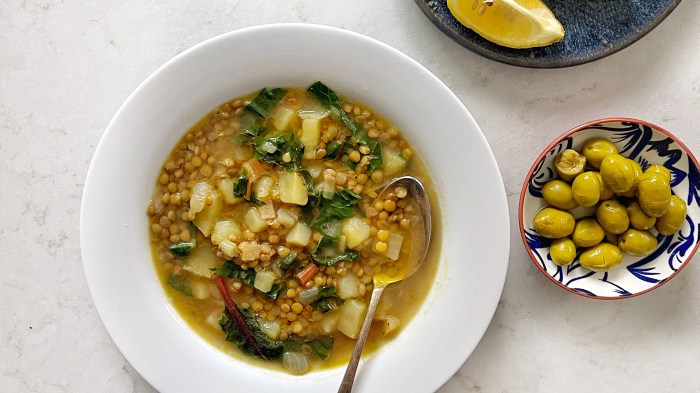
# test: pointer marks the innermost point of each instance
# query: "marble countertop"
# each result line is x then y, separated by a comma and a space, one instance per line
66, 66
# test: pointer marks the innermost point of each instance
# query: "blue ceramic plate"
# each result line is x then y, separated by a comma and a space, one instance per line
648, 145
594, 29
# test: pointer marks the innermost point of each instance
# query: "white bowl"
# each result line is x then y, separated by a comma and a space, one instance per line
648, 144
114, 228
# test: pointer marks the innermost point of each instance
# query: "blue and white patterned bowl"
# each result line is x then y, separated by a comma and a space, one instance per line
647, 144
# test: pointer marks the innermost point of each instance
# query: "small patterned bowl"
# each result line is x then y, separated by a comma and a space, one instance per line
647, 144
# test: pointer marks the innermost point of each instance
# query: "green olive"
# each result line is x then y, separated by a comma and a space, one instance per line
660, 169
654, 193
554, 223
639, 219
612, 216
587, 232
558, 194
596, 149
602, 257
569, 164
618, 173
562, 251
605, 191
673, 220
636, 242
632, 192
586, 189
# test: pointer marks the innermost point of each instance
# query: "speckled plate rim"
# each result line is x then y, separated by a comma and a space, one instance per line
543, 154
524, 61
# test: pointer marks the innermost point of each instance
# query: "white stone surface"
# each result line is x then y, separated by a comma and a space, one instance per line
66, 66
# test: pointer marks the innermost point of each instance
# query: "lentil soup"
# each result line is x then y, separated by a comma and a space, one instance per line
266, 228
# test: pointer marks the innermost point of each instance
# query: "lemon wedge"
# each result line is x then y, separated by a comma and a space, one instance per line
511, 23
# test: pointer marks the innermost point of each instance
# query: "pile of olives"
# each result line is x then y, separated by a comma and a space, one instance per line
624, 202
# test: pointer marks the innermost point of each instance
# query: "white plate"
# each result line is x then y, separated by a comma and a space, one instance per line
114, 227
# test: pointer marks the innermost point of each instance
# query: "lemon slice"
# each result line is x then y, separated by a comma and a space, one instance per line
511, 23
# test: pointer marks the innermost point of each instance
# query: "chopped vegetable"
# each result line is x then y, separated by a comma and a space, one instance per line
286, 262
242, 329
282, 117
327, 299
286, 218
393, 161
200, 288
329, 99
341, 206
352, 313
254, 220
206, 219
356, 231
225, 229
394, 246
179, 283
202, 261
231, 269
264, 280
239, 189
293, 188
295, 362
307, 273
299, 235
182, 249
322, 346
254, 169
348, 286
326, 252
284, 149
266, 100
226, 188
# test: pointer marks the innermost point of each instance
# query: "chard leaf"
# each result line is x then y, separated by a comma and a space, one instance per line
180, 284
325, 252
285, 263
340, 207
241, 186
181, 249
272, 149
231, 269
265, 101
241, 335
329, 99
328, 299
332, 149
322, 346
275, 291
375, 157
251, 127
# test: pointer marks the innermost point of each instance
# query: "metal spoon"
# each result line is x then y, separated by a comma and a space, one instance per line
419, 248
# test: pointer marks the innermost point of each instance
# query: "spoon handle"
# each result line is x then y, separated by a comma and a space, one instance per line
349, 377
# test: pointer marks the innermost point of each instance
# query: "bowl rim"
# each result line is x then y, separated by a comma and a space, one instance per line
118, 340
542, 155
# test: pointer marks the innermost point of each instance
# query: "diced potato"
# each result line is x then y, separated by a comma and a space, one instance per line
356, 231
293, 188
263, 187
206, 219
201, 262
271, 329
267, 211
330, 322
225, 229
392, 161
250, 251
390, 324
286, 218
264, 280
299, 235
310, 136
348, 286
352, 314
282, 117
254, 221
226, 189
200, 289
394, 243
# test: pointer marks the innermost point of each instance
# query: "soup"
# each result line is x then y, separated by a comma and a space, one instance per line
267, 227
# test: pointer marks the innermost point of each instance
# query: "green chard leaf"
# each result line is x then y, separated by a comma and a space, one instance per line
328, 299
241, 185
286, 263
322, 346
329, 99
375, 157
179, 283
251, 127
326, 253
273, 149
183, 249
239, 335
265, 101
340, 207
231, 269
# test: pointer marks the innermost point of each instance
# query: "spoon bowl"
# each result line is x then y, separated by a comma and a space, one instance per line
419, 248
